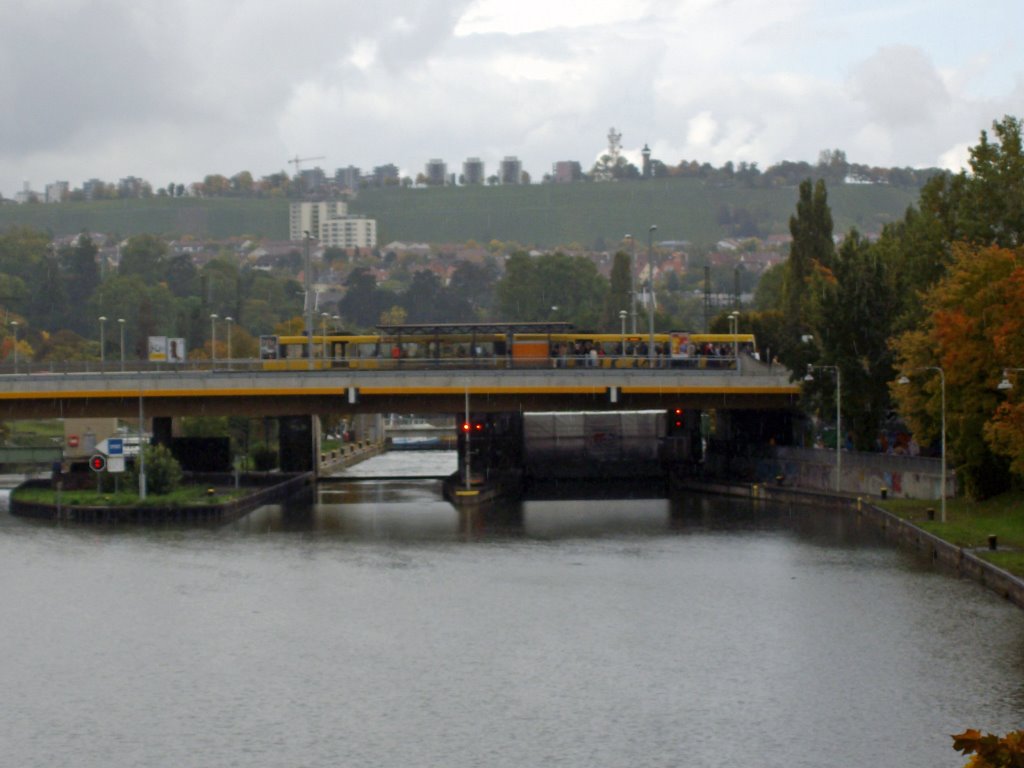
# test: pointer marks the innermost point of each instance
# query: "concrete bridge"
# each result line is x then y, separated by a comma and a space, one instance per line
162, 393
245, 389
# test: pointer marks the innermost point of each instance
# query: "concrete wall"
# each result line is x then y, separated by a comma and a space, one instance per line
908, 477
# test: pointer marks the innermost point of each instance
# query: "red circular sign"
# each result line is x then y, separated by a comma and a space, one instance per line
97, 462
72, 441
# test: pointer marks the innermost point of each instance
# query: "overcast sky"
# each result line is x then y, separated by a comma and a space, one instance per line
171, 90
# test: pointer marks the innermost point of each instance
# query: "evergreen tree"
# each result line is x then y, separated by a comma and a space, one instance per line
620, 292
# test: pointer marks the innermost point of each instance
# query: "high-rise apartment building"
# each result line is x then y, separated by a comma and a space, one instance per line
473, 171
436, 173
330, 222
511, 171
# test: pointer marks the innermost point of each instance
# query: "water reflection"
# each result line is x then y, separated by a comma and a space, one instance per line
374, 624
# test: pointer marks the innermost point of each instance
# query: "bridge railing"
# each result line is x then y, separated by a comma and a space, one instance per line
710, 363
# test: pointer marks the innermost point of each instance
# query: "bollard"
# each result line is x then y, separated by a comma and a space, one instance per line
884, 492
993, 542
931, 513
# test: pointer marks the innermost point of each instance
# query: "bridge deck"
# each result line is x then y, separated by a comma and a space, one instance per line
174, 391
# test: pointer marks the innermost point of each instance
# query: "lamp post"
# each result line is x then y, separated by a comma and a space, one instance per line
213, 340
622, 318
307, 274
229, 320
120, 322
1006, 385
14, 325
734, 329
103, 340
904, 380
839, 418
650, 298
632, 280
324, 317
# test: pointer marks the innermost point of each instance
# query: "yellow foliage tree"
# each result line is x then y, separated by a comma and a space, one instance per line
973, 330
991, 751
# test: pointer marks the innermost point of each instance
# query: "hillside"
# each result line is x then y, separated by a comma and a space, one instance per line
544, 215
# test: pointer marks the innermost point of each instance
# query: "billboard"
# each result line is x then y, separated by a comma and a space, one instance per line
268, 347
166, 350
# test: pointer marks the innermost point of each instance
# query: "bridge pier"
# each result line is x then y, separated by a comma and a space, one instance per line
163, 430
298, 440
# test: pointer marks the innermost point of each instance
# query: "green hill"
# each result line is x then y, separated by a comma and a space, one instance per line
543, 215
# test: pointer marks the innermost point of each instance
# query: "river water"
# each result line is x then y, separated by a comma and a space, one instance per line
379, 627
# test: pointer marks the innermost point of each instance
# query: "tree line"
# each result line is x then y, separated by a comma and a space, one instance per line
938, 300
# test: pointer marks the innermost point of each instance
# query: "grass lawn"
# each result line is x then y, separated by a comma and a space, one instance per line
185, 496
970, 523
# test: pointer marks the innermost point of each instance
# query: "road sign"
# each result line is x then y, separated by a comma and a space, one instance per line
97, 462
115, 464
111, 446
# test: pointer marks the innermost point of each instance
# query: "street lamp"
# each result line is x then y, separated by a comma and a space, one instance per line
632, 279
213, 340
324, 317
622, 318
14, 325
307, 274
734, 329
650, 304
103, 341
839, 417
904, 380
120, 322
229, 320
1006, 384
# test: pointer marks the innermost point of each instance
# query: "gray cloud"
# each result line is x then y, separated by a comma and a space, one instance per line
176, 89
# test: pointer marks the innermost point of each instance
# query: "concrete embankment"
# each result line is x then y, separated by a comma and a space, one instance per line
265, 488
943, 554
349, 454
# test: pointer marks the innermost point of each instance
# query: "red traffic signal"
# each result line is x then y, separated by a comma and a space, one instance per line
676, 421
97, 462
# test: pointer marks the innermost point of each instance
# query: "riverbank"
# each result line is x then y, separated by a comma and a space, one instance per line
956, 545
223, 497
994, 528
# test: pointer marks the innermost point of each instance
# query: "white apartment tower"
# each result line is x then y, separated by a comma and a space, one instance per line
330, 222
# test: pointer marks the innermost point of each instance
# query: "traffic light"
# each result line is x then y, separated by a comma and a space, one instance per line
676, 421
97, 462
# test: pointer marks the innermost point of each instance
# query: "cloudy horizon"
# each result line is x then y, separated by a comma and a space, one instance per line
173, 91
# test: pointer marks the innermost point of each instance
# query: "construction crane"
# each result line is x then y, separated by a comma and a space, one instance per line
297, 160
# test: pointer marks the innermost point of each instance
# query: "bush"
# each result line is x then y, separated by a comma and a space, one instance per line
163, 472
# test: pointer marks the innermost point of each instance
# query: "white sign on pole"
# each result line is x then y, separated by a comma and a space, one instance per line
115, 464
111, 446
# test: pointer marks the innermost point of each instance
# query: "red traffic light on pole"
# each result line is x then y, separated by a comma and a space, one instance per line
97, 462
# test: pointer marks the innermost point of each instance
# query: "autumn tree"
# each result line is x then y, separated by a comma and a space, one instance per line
974, 328
990, 750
